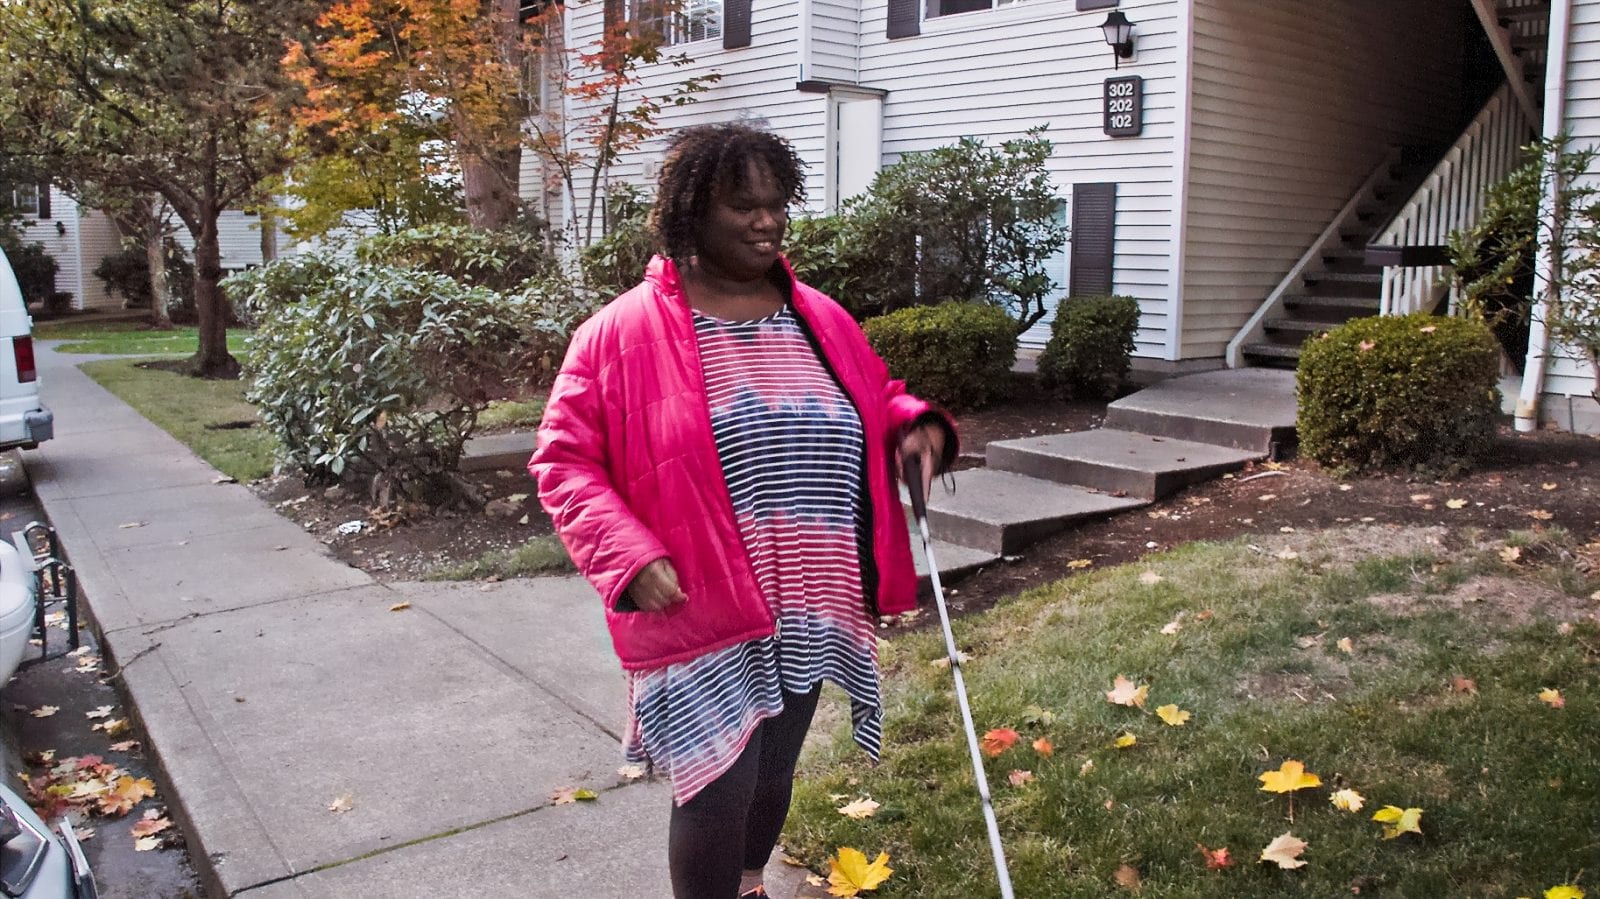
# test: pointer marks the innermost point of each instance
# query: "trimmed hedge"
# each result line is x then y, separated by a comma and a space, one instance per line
1091, 346
956, 354
1416, 391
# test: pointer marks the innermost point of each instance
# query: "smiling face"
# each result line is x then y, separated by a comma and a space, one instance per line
743, 228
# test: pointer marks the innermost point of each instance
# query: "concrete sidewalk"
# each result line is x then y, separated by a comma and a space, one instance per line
273, 680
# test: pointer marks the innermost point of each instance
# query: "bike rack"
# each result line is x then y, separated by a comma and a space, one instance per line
55, 584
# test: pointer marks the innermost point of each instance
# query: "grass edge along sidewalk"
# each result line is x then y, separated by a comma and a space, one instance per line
1451, 673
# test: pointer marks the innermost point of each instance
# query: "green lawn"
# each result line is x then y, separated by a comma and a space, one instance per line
127, 338
1434, 703
205, 415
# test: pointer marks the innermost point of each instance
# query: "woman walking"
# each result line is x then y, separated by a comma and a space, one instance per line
718, 455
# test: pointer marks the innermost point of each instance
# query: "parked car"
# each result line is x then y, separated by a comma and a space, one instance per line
38, 861
24, 420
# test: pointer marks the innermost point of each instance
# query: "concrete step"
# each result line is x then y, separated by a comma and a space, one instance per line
498, 451
1250, 409
1124, 463
1340, 303
1298, 326
955, 561
1002, 512
1282, 355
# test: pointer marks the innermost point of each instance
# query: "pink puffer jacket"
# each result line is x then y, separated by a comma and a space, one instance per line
628, 469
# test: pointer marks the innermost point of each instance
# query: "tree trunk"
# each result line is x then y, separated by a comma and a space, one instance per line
490, 185
269, 237
155, 255
212, 360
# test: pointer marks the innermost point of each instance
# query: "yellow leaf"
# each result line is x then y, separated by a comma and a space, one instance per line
400, 607
1397, 821
1079, 563
631, 772
1347, 800
1284, 851
1454, 503
342, 804
1540, 515
1346, 646
1150, 578
850, 874
1290, 776
1565, 891
861, 808
1173, 715
1547, 486
45, 711
145, 844
1124, 740
1510, 554
1552, 697
1123, 692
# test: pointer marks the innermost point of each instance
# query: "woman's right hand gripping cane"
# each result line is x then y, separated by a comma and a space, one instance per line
655, 588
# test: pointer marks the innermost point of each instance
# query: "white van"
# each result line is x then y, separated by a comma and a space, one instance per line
24, 421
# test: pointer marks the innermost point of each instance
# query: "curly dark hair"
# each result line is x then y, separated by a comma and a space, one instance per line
704, 158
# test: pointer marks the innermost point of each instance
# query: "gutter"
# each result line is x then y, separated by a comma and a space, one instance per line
1555, 101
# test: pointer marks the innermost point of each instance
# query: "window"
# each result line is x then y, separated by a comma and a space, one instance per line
938, 8
25, 199
680, 22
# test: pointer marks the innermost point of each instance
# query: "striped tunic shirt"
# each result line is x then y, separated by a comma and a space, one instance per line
791, 448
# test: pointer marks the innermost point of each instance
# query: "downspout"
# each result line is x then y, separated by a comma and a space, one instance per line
803, 44
1555, 101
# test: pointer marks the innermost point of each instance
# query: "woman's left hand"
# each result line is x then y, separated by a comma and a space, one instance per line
925, 441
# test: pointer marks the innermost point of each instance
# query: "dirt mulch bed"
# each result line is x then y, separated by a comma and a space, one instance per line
1542, 480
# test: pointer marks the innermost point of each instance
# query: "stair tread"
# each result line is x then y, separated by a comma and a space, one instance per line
1272, 350
1333, 301
1131, 450
1304, 326
953, 558
1002, 497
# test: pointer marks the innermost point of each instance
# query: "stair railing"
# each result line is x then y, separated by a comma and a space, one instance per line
1256, 326
1450, 198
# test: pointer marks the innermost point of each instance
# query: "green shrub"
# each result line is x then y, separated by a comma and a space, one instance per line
126, 273
816, 252
1091, 346
615, 263
956, 354
498, 260
1415, 391
34, 267
966, 222
378, 372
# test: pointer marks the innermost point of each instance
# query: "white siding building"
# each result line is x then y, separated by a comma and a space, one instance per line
1275, 141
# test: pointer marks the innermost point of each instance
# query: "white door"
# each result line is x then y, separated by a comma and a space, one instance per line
857, 140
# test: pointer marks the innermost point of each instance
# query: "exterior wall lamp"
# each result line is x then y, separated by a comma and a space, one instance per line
1119, 34
61, 229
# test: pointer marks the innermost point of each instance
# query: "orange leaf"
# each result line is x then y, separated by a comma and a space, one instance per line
1044, 747
998, 740
1215, 858
1128, 878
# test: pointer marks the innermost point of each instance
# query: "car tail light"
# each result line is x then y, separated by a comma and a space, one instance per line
22, 351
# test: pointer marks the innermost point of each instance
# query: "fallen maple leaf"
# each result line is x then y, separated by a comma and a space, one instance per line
1173, 716
343, 804
1540, 515
569, 795
1510, 554
1215, 858
1123, 692
45, 711
1087, 768
145, 844
1397, 821
631, 772
1038, 716
861, 808
1346, 646
1124, 740
1464, 685
125, 746
101, 712
1564, 891
1076, 564
1173, 626
1347, 800
1127, 877
112, 726
849, 873
998, 740
944, 661
1290, 776
1455, 503
1552, 697
1284, 851
125, 794
150, 826
1044, 747
1365, 345
1150, 578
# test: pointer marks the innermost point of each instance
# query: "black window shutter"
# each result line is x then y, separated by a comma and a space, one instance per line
905, 18
44, 200
735, 24
1094, 212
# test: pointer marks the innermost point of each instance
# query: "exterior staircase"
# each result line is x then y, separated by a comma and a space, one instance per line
1179, 432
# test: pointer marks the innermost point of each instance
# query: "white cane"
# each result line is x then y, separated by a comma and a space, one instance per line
912, 473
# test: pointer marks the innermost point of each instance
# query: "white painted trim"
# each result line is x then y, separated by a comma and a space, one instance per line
1555, 101
1489, 18
1180, 166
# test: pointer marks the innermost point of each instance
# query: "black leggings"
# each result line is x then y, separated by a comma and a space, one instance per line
733, 823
